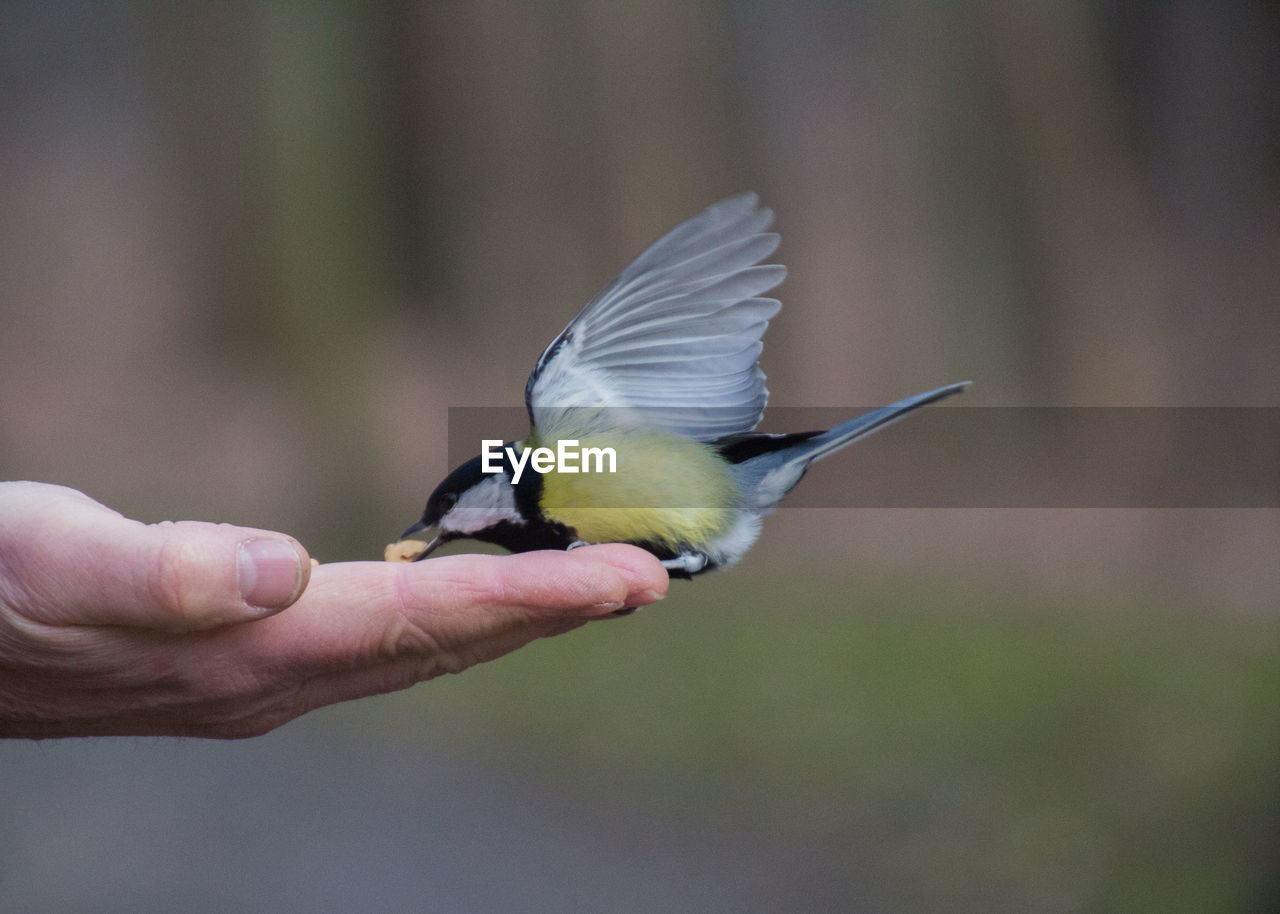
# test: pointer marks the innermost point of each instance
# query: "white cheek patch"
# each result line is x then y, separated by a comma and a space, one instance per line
482, 506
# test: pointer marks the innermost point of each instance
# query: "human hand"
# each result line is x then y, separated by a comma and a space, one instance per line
111, 626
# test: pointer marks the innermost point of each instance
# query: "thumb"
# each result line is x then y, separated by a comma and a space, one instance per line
79, 562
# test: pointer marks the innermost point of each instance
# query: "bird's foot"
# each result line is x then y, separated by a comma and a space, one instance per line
688, 563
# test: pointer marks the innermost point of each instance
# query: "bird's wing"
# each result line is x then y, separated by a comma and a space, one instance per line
674, 340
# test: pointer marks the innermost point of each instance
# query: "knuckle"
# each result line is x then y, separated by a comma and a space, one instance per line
169, 585
217, 677
229, 683
230, 705
405, 634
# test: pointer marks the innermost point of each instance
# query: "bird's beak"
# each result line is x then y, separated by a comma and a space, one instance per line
416, 528
433, 544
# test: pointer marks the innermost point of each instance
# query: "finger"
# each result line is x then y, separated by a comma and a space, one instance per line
645, 577
79, 563
366, 628
589, 582
458, 610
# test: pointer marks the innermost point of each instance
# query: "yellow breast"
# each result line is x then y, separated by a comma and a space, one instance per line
665, 489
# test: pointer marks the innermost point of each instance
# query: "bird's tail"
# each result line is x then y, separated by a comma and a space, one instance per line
846, 433
770, 476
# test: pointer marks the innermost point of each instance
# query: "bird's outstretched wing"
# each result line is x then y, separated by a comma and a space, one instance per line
675, 339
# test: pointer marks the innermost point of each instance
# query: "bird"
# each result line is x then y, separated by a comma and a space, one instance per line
659, 372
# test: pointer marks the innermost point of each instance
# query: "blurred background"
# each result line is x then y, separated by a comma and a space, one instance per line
251, 253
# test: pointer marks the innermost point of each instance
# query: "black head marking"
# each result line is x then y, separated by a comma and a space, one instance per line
447, 493
530, 530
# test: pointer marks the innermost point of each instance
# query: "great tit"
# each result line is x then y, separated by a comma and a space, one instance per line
662, 367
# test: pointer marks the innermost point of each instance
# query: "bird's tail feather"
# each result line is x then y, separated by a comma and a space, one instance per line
771, 475
846, 433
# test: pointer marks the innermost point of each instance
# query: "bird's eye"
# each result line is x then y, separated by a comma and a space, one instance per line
447, 501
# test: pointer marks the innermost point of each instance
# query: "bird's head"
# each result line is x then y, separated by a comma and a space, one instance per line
469, 504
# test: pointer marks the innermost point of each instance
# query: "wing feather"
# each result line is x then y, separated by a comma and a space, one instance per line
676, 338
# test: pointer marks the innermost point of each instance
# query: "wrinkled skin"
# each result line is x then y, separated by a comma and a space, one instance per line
111, 626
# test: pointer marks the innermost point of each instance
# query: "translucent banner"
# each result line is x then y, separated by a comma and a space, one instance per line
947, 456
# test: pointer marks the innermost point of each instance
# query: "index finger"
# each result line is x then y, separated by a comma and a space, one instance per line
458, 609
